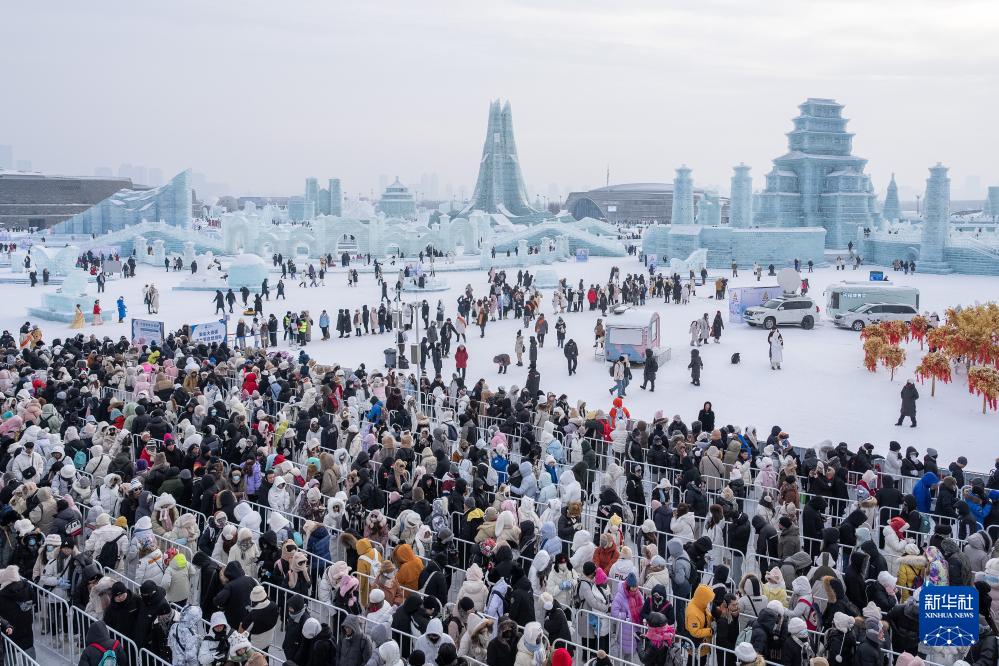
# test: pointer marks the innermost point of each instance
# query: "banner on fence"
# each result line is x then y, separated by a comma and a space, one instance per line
147, 331
209, 332
740, 298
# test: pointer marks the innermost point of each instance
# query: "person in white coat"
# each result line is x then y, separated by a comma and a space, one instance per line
776, 341
278, 497
150, 567
27, 458
106, 532
98, 464
108, 494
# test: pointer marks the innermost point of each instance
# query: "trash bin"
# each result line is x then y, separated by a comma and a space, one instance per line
390, 356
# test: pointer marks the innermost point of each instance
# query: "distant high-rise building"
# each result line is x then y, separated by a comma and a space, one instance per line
741, 211
500, 186
312, 189
336, 197
891, 211
23, 165
683, 197
140, 175
125, 171
991, 205
6, 157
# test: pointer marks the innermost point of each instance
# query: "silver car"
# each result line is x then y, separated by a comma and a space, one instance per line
872, 313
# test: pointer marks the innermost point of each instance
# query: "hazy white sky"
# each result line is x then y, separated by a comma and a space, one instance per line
261, 94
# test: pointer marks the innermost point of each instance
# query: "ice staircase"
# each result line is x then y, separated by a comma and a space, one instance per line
598, 246
972, 256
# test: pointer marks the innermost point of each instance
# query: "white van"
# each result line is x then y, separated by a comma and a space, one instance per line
844, 296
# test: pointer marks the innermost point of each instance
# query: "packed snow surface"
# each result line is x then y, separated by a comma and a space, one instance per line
823, 391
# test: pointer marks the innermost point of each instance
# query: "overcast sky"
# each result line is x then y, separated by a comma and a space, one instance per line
261, 94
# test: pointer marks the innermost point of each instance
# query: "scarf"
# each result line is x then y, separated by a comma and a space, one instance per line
660, 636
166, 519
635, 603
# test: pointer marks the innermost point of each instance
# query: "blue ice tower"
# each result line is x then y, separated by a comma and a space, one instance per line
741, 204
683, 197
936, 220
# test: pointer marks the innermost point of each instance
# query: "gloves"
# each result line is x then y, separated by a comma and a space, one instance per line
566, 585
181, 540
63, 584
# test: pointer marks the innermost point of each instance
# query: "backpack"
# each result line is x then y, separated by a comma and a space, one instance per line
108, 655
676, 654
109, 554
80, 459
812, 619
374, 565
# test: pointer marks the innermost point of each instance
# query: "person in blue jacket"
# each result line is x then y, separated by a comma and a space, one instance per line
923, 491
121, 309
374, 414
500, 463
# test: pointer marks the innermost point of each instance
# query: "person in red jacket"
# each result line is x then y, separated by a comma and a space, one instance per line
250, 383
461, 361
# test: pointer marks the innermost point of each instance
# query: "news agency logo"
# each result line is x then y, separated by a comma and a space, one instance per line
948, 616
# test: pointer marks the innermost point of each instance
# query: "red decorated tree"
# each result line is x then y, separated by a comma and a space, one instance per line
935, 365
892, 356
984, 381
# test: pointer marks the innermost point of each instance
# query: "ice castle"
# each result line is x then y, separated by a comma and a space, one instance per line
819, 183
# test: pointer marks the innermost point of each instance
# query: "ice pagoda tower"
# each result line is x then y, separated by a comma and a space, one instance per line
936, 220
741, 206
891, 212
683, 197
819, 183
500, 186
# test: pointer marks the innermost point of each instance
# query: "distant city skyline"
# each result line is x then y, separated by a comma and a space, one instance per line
641, 87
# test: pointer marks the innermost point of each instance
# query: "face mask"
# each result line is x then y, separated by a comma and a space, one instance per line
236, 477
50, 549
914, 457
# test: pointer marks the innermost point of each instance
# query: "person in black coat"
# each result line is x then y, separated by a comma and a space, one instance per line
124, 613
909, 397
571, 352
522, 602
99, 641
904, 622
433, 582
869, 651
234, 597
556, 620
707, 418
769, 632
737, 533
16, 608
766, 542
985, 651
876, 562
319, 646
502, 650
855, 579
812, 522
295, 617
404, 620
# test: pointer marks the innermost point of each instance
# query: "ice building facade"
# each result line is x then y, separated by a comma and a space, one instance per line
500, 187
935, 244
819, 182
726, 244
170, 203
397, 201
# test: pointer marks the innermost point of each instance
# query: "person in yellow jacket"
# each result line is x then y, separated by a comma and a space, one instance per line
697, 618
911, 570
368, 567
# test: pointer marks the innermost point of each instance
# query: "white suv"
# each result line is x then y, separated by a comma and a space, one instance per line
872, 313
796, 310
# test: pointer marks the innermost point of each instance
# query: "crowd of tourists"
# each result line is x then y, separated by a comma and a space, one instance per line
213, 506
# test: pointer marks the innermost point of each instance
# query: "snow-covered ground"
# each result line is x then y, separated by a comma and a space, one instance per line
823, 391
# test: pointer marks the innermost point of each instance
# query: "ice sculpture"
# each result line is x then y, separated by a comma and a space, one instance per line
60, 305
500, 186
247, 270
683, 197
819, 183
170, 203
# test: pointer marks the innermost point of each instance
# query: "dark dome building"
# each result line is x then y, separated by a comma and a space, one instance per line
630, 203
